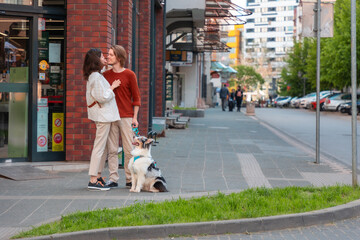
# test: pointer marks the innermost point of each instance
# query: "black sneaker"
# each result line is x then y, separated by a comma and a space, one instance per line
111, 184
102, 180
97, 186
128, 185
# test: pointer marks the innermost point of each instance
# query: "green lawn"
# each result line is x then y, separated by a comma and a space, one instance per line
250, 203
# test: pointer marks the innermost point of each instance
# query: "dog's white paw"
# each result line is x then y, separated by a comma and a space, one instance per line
137, 190
132, 190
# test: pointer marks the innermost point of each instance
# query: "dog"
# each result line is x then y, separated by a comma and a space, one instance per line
144, 173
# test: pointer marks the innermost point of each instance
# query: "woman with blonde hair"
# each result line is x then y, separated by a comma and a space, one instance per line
102, 109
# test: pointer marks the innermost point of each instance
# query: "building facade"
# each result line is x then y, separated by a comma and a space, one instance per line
43, 114
234, 42
268, 36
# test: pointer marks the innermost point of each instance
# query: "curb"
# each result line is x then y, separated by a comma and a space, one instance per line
322, 216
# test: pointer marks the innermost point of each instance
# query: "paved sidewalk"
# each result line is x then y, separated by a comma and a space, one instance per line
225, 151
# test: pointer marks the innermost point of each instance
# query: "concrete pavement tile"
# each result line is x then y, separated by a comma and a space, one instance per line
266, 164
291, 173
279, 183
80, 205
271, 172
5, 204
49, 210
20, 211
300, 183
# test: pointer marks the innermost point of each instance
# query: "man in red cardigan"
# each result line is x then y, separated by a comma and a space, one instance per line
127, 97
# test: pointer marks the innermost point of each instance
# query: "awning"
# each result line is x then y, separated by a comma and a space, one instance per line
217, 66
219, 13
230, 70
216, 14
220, 67
224, 12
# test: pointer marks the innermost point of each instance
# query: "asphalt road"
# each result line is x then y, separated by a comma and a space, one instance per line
335, 129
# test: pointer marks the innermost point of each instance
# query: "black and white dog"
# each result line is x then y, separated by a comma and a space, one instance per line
144, 173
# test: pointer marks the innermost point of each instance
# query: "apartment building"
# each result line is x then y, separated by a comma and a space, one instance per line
268, 37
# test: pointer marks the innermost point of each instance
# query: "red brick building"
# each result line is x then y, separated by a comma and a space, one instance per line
46, 41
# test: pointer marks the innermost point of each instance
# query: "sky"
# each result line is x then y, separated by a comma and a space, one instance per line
240, 3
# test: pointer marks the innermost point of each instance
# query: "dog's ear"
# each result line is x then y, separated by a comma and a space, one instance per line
149, 141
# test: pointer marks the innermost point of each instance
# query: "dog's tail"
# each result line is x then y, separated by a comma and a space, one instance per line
160, 184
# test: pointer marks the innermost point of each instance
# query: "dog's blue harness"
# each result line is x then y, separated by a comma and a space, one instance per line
137, 157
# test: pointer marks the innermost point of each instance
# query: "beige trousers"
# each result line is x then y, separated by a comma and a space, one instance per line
101, 137
122, 127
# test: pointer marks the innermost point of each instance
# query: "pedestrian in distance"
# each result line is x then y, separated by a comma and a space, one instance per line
232, 100
102, 109
128, 102
224, 93
239, 98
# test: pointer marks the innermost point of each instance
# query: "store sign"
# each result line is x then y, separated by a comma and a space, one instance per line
187, 63
177, 56
169, 87
309, 23
44, 46
55, 78
42, 125
58, 132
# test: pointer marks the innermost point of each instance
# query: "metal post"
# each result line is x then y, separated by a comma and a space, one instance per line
353, 92
318, 29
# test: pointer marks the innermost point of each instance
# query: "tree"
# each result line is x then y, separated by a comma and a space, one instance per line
335, 70
294, 75
248, 76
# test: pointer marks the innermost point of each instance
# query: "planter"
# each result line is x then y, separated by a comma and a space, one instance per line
250, 109
191, 113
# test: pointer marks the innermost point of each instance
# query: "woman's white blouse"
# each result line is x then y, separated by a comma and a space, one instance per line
98, 89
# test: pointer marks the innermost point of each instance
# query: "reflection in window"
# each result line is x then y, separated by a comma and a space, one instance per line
18, 2
14, 71
52, 3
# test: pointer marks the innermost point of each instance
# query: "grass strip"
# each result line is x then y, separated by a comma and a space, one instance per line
251, 203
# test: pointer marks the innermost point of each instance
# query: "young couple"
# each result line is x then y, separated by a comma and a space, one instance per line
109, 96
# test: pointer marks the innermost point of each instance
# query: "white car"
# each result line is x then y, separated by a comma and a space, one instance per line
333, 103
284, 102
306, 101
295, 102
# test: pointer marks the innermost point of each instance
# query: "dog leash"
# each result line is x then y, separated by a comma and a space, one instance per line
135, 130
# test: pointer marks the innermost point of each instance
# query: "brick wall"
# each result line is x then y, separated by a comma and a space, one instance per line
124, 27
159, 62
88, 26
144, 63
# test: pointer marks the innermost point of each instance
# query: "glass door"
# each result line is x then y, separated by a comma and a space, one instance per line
14, 88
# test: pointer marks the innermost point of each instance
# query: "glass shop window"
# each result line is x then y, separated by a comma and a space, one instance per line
51, 79
14, 85
18, 2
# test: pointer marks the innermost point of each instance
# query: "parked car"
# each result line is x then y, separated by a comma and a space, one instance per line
306, 101
346, 107
295, 103
322, 100
283, 102
292, 101
333, 103
279, 98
